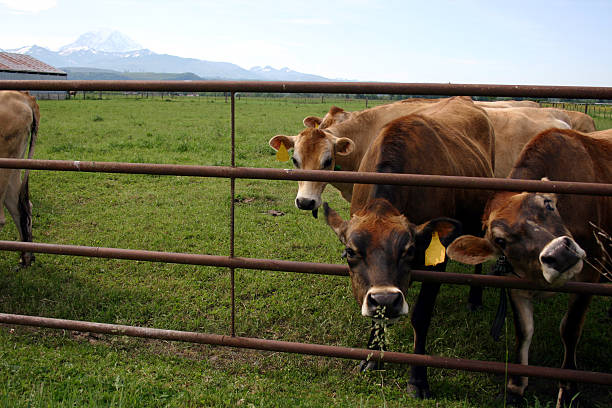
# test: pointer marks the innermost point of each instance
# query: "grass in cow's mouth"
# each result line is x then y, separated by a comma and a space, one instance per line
381, 324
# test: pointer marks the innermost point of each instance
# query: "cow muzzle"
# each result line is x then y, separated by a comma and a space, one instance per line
561, 260
309, 195
384, 302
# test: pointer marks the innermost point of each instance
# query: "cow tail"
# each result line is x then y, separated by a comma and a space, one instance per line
25, 210
33, 135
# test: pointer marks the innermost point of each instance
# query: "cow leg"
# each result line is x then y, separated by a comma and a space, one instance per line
2, 216
20, 211
522, 308
475, 296
421, 318
374, 343
4, 179
571, 329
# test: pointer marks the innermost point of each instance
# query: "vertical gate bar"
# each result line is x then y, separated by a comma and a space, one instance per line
232, 188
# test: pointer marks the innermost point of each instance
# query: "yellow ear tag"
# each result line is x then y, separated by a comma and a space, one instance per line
282, 154
435, 252
316, 125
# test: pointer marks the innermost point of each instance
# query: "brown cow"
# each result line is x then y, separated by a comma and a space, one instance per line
514, 127
507, 104
19, 119
544, 237
382, 243
581, 121
340, 140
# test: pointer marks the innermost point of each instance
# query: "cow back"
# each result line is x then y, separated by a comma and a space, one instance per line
581, 121
453, 139
19, 116
514, 127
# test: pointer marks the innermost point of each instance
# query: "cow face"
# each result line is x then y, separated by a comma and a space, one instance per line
528, 230
381, 245
313, 149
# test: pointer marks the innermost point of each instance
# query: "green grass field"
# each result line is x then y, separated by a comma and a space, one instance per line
49, 368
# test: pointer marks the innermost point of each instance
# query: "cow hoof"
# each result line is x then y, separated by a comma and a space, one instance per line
419, 392
26, 260
370, 365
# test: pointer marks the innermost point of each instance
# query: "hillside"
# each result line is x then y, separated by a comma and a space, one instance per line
93, 74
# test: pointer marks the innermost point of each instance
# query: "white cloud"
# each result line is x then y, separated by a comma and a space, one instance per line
29, 6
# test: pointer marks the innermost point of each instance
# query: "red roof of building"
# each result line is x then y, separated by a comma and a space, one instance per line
24, 63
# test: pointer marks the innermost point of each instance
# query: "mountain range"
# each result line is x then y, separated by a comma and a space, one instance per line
106, 54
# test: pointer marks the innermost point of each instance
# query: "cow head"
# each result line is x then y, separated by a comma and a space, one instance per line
527, 229
313, 149
381, 245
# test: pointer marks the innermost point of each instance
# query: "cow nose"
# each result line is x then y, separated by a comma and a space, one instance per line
390, 303
305, 203
549, 260
561, 254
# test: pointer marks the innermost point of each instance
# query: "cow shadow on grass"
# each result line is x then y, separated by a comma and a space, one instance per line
458, 333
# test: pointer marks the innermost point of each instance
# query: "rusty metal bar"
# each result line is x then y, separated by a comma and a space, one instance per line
312, 349
533, 91
291, 266
232, 215
313, 175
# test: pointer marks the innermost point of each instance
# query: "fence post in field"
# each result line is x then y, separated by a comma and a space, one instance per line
586, 108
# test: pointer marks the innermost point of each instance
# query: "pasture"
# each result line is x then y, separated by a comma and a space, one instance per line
40, 367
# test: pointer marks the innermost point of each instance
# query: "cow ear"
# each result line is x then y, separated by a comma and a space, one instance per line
335, 222
344, 146
447, 229
276, 141
312, 121
471, 250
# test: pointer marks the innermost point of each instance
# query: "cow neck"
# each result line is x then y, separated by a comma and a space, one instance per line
362, 130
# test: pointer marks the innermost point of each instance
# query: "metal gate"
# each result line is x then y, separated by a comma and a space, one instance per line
234, 172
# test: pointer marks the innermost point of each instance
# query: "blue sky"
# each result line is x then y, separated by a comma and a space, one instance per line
563, 42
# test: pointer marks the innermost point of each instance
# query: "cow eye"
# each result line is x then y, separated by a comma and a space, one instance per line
327, 164
549, 205
295, 162
500, 242
349, 253
409, 252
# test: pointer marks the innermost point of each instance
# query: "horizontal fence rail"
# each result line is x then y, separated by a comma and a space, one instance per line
313, 175
532, 91
312, 349
292, 266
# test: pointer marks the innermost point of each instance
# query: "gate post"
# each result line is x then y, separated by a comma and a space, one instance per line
232, 207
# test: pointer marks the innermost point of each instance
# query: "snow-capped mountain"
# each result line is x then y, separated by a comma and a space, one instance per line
111, 50
102, 40
271, 74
